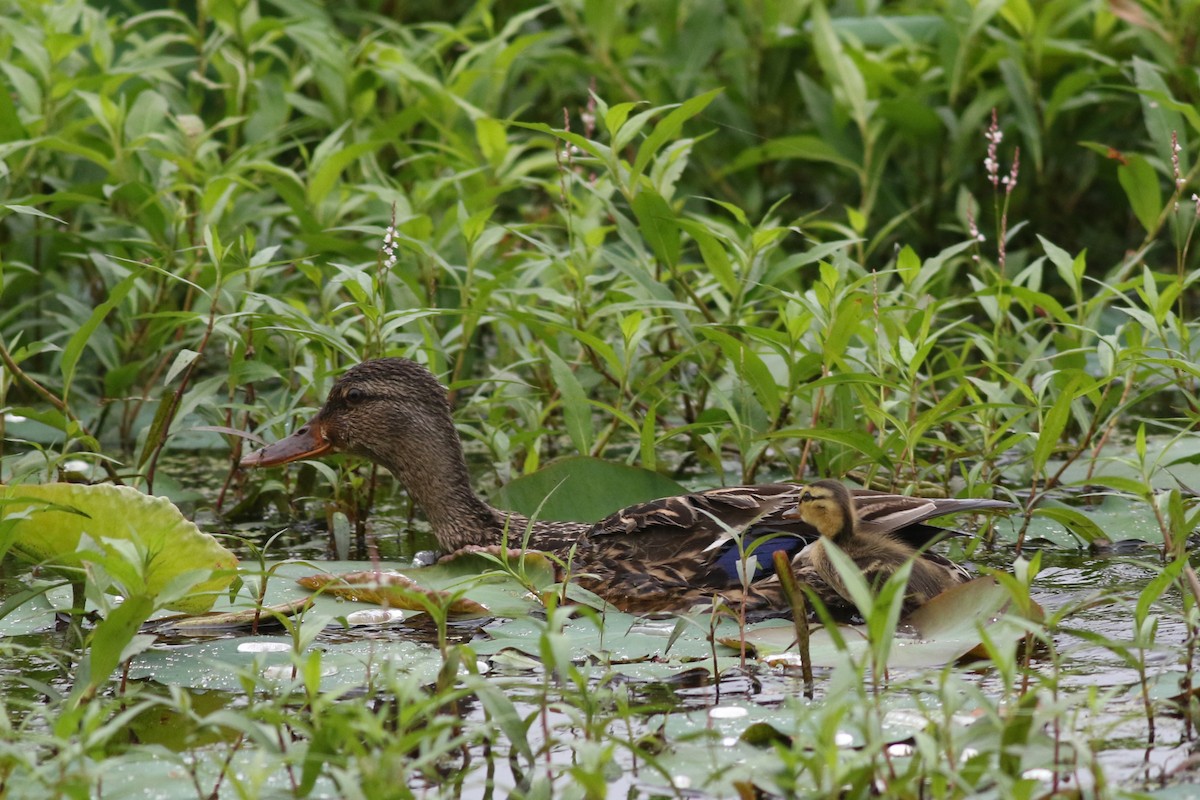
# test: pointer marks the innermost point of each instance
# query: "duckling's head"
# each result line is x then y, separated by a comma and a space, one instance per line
390, 410
829, 507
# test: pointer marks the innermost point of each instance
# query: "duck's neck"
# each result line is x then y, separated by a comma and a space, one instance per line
435, 475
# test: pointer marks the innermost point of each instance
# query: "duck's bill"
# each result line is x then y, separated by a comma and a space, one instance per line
306, 442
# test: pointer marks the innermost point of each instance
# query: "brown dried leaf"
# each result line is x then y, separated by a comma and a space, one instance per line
391, 590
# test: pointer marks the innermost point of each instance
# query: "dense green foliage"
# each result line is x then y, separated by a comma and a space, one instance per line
758, 223
727, 241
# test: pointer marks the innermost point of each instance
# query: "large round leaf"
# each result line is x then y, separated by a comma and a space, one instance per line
940, 632
583, 489
48, 520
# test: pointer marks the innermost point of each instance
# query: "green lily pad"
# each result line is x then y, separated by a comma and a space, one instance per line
221, 663
582, 489
1112, 517
48, 521
619, 637
940, 632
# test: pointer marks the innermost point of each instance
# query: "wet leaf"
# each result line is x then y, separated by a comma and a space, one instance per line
231, 620
219, 664
392, 590
938, 633
468, 584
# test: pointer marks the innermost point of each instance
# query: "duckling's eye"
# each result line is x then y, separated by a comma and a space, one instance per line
355, 395
805, 497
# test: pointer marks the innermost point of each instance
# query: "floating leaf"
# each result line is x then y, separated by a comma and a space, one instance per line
940, 632
220, 664
170, 545
391, 590
469, 584
231, 620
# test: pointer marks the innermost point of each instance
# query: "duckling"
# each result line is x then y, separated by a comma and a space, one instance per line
829, 507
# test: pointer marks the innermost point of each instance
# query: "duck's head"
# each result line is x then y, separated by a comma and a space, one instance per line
389, 410
829, 507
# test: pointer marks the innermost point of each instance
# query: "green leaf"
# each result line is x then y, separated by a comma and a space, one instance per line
947, 628
656, 219
1054, 422
839, 69
1076, 522
1140, 182
787, 148
577, 411
492, 138
79, 339
169, 545
1162, 112
108, 642
669, 128
330, 159
908, 264
583, 489
749, 367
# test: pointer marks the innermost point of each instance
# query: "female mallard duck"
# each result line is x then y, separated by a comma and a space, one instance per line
831, 509
665, 555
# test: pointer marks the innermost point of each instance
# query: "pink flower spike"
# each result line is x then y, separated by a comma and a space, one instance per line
991, 164
1011, 181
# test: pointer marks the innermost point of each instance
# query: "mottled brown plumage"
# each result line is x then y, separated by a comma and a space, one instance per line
831, 509
665, 555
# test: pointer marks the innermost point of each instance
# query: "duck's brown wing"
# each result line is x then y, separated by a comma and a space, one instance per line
672, 553
694, 537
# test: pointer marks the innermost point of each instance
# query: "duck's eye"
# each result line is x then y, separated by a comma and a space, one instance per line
355, 395
805, 497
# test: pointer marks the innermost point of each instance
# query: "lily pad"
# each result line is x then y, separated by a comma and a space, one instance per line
49, 520
616, 637
220, 664
582, 489
940, 632
1107, 518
